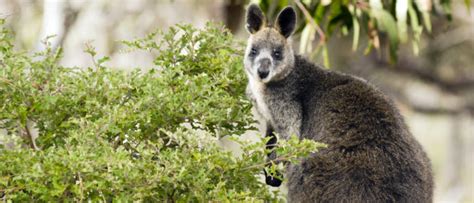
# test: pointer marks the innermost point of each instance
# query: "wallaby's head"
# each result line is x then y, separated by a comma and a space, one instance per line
269, 55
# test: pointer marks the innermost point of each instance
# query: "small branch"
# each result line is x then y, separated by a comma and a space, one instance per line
322, 36
81, 187
279, 159
405, 66
5, 80
451, 38
10, 190
31, 138
171, 197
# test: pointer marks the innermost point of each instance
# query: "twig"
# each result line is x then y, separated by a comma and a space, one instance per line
5, 80
322, 36
281, 158
409, 67
81, 187
30, 137
451, 38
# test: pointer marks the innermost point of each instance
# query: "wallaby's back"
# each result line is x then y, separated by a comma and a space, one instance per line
371, 156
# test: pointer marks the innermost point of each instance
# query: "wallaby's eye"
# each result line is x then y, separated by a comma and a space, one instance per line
253, 52
277, 54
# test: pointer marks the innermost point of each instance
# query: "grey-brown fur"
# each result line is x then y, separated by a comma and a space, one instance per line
371, 156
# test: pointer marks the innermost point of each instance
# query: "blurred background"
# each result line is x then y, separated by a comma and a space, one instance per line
431, 76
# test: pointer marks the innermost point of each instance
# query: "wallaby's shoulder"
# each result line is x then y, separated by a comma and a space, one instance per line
331, 80
316, 79
343, 104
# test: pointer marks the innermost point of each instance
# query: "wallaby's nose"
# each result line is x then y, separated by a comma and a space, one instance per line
262, 73
264, 68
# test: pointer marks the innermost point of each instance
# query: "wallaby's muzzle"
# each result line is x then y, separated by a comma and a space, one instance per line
264, 68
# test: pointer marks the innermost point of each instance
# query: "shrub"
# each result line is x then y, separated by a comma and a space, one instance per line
109, 135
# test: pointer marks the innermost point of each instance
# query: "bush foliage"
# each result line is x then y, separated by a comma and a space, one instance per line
109, 135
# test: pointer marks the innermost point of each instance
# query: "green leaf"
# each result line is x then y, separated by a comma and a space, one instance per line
416, 28
356, 27
426, 20
355, 40
103, 60
319, 13
401, 10
326, 56
446, 5
306, 38
376, 4
386, 23
468, 5
283, 3
425, 7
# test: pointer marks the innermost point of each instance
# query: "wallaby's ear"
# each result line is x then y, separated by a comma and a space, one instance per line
286, 21
255, 19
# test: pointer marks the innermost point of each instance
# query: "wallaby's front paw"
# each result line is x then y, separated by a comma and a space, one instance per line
274, 180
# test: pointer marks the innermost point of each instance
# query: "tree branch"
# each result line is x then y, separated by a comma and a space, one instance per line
322, 36
426, 75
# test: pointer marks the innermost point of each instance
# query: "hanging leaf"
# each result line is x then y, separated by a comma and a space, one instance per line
256, 1
426, 20
307, 2
325, 2
376, 4
386, 23
305, 39
319, 13
468, 5
334, 13
416, 28
425, 7
446, 5
401, 10
355, 39
369, 48
355, 26
326, 56
283, 3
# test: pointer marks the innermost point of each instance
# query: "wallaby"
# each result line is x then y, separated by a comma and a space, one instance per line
371, 155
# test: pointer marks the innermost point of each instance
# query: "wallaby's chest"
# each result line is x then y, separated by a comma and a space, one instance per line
257, 92
274, 104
